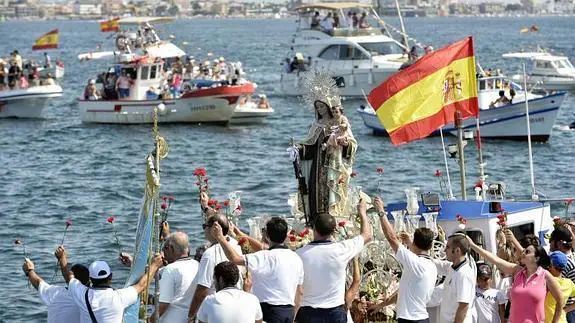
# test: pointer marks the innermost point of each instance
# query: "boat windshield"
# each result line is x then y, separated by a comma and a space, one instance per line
384, 48
564, 63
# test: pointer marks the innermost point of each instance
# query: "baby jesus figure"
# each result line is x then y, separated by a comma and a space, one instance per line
339, 133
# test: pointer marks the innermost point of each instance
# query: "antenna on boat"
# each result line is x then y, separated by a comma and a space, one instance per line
405, 40
450, 196
460, 145
531, 172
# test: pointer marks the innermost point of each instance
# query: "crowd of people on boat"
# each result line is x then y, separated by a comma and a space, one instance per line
225, 282
331, 21
183, 74
15, 73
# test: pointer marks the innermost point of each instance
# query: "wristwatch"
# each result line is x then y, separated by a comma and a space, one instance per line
382, 213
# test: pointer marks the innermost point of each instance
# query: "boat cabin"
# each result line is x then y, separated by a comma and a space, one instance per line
523, 218
347, 19
549, 65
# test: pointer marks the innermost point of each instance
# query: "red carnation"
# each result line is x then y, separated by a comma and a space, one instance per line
171, 198
243, 241
304, 233
206, 180
239, 208
479, 184
342, 223
212, 202
227, 203
218, 206
164, 206
379, 170
110, 219
292, 238
200, 171
437, 173
68, 223
165, 198
353, 174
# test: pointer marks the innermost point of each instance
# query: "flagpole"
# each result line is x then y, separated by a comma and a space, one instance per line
459, 128
531, 172
450, 196
481, 164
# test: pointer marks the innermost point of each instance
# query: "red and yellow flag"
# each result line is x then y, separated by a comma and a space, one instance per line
47, 41
422, 98
110, 25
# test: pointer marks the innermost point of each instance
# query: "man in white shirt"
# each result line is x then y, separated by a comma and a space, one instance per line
229, 304
277, 273
204, 280
176, 282
459, 287
324, 266
419, 272
327, 24
101, 303
61, 305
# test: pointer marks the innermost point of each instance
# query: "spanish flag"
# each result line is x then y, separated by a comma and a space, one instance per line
422, 98
110, 25
47, 41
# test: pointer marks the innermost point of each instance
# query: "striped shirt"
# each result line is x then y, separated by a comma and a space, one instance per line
569, 272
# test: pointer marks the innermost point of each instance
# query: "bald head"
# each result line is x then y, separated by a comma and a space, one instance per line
179, 242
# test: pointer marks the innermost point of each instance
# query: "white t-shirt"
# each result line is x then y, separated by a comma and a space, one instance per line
324, 266
107, 304
230, 305
276, 274
459, 287
327, 23
61, 305
487, 305
416, 285
177, 289
210, 259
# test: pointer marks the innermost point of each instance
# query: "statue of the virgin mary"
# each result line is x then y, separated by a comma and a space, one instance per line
327, 154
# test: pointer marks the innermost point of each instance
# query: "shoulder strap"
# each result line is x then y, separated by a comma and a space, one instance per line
92, 316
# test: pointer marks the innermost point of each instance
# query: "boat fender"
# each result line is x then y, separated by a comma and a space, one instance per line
162, 109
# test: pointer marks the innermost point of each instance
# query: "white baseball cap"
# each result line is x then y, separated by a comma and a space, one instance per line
99, 269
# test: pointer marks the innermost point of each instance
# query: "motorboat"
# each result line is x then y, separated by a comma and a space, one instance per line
548, 72
28, 102
252, 111
358, 57
142, 56
499, 121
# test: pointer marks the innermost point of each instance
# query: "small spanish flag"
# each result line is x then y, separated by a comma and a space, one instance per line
47, 41
422, 98
110, 25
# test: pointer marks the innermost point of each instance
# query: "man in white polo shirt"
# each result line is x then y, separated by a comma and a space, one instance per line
276, 273
101, 303
419, 272
229, 304
204, 280
461, 277
324, 264
60, 303
176, 282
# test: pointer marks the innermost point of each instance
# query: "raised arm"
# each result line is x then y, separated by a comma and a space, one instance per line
28, 268
506, 267
142, 284
555, 290
353, 289
365, 231
62, 257
386, 227
229, 251
255, 245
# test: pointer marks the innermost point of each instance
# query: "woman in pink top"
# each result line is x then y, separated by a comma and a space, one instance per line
530, 285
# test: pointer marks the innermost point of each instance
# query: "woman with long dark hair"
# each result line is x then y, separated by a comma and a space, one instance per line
530, 284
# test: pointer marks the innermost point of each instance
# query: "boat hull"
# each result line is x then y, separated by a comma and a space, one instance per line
214, 105
249, 113
507, 122
27, 103
549, 83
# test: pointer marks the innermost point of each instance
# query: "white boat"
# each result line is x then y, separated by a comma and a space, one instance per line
549, 72
357, 58
250, 112
141, 55
502, 122
28, 102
